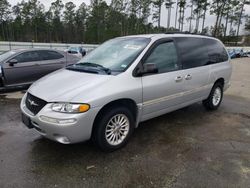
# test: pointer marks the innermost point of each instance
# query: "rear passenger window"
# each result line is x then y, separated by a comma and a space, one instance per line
50, 55
216, 51
193, 52
164, 56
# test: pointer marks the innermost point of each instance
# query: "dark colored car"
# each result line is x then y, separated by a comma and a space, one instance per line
24, 66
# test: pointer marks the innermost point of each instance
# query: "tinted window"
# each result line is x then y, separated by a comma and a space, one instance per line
73, 52
27, 57
165, 57
216, 51
50, 55
193, 52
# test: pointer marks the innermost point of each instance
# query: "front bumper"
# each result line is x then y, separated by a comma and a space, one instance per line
78, 131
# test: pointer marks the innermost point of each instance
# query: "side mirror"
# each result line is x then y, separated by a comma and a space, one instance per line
12, 62
148, 68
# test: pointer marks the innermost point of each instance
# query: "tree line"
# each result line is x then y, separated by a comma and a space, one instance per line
30, 21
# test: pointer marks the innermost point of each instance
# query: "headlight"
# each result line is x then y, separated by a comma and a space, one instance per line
70, 107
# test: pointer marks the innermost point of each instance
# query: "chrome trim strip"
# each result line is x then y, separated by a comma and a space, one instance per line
169, 97
25, 109
165, 98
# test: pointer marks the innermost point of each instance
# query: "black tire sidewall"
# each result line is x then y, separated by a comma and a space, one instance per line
99, 134
209, 102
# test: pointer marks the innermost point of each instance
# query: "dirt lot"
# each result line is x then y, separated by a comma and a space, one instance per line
186, 148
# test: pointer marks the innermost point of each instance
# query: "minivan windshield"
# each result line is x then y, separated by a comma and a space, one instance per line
116, 54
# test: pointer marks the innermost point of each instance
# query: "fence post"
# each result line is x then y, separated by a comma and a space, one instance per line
32, 44
9, 45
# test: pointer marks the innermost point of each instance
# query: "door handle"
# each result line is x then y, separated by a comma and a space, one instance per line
188, 77
178, 78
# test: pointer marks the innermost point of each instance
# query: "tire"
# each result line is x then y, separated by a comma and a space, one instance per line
215, 97
105, 130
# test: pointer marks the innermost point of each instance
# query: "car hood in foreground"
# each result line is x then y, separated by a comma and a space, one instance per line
64, 85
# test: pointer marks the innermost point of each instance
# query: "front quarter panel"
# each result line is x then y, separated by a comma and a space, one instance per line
123, 86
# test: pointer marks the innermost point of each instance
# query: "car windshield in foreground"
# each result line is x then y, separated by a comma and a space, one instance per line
6, 55
115, 55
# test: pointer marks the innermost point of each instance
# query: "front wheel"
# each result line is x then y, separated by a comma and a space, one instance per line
215, 97
114, 129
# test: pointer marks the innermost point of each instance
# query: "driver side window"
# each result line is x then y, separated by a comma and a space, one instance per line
27, 57
164, 56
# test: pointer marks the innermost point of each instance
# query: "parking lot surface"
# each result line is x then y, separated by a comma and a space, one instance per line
186, 148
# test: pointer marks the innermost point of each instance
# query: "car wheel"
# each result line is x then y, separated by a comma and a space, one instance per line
215, 97
114, 129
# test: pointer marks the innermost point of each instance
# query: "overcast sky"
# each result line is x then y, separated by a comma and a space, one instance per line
210, 20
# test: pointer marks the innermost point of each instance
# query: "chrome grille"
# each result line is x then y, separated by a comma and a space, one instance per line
34, 104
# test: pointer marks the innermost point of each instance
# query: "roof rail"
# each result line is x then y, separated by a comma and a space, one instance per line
177, 32
186, 32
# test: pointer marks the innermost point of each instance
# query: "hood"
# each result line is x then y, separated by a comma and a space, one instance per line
63, 85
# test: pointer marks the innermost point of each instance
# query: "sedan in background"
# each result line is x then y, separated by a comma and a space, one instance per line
231, 53
77, 51
240, 52
19, 68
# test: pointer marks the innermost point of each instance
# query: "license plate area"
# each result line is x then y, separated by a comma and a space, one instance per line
26, 120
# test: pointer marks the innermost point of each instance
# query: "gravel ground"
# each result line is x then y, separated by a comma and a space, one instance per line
186, 148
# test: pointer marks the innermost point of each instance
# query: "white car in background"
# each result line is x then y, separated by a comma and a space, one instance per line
248, 53
77, 51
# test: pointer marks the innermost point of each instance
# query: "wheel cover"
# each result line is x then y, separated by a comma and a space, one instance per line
117, 129
216, 96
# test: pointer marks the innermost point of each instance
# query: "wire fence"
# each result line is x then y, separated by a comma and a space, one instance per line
245, 48
6, 46
9, 45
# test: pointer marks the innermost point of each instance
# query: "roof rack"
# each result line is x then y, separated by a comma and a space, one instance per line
185, 32
177, 32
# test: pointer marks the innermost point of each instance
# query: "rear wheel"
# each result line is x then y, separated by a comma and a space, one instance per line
114, 129
214, 99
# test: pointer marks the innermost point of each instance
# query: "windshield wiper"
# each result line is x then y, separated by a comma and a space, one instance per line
73, 68
97, 66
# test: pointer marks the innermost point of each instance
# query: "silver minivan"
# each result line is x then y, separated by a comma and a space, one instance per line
126, 81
